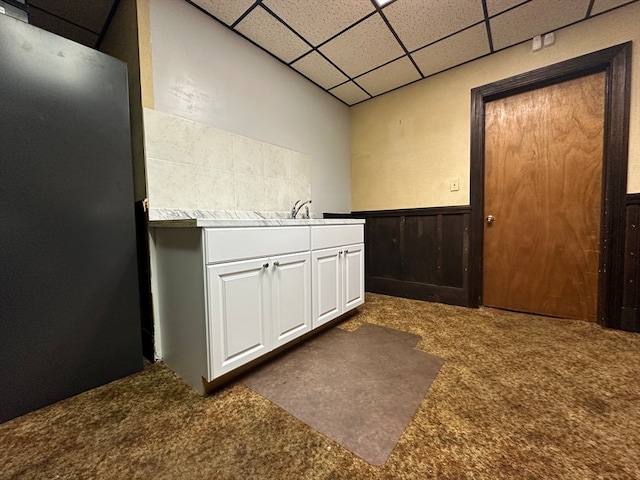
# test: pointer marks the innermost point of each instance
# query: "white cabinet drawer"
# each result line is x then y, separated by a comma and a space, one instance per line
227, 244
327, 236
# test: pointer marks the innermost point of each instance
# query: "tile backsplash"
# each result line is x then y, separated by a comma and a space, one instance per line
194, 166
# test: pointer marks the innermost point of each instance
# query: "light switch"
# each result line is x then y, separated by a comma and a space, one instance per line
549, 39
455, 184
537, 43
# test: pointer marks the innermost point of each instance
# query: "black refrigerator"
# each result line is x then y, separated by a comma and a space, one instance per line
69, 305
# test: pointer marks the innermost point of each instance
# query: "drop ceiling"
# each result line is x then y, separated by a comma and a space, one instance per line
355, 49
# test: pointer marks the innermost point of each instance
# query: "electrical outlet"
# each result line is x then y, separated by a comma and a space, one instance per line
455, 184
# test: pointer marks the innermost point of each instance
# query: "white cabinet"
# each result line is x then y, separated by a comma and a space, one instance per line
338, 272
353, 276
259, 304
228, 296
327, 285
255, 306
238, 311
290, 297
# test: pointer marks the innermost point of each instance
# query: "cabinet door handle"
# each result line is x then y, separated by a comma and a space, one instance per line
340, 252
346, 251
266, 265
276, 264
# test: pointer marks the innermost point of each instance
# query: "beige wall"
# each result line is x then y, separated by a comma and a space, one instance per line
144, 45
408, 145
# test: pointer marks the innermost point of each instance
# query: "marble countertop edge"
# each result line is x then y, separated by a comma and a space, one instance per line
163, 218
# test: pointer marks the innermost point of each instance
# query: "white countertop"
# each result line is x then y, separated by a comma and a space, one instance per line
245, 222
217, 219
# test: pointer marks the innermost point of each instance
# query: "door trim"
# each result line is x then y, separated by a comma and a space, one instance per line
616, 63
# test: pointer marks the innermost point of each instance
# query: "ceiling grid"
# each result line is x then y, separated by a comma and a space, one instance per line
355, 49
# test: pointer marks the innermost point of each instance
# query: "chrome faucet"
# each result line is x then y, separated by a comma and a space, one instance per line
296, 208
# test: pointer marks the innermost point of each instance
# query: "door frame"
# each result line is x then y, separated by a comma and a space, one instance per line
616, 63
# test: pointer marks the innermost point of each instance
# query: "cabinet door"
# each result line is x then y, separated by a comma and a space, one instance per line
238, 314
353, 264
290, 296
327, 285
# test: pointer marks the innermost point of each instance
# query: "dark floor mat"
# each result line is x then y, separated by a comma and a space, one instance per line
359, 388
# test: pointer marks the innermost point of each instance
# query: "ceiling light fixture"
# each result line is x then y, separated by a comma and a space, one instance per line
382, 3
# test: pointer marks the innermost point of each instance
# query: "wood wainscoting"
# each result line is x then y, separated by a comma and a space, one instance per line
420, 253
630, 318
423, 253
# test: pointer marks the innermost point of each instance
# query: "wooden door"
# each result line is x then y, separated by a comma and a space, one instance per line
543, 183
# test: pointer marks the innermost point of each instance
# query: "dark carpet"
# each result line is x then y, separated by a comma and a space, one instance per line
360, 389
518, 397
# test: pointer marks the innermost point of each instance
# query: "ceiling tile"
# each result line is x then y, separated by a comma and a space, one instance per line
268, 32
363, 47
392, 75
498, 6
319, 20
92, 18
600, 6
410, 19
227, 11
526, 21
349, 93
315, 67
459, 48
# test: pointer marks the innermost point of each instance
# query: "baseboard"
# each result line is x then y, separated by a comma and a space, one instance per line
418, 291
